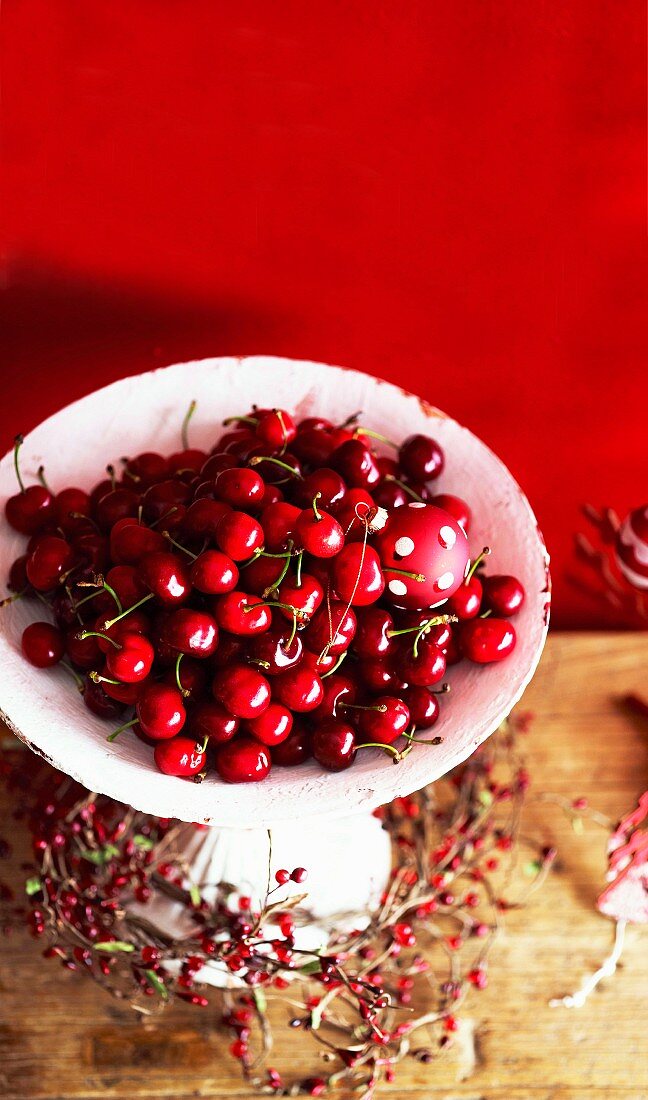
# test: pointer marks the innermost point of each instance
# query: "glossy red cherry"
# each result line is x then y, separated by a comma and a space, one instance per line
296, 749
260, 575
486, 640
145, 469
357, 575
133, 660
306, 596
126, 582
192, 675
243, 690
423, 706
276, 427
278, 522
328, 483
465, 603
189, 460
201, 519
372, 638
273, 726
160, 711
84, 653
190, 631
239, 535
427, 542
389, 494
243, 760
123, 693
274, 651
338, 689
30, 510
131, 541
333, 628
43, 644
455, 506
314, 444
166, 500
70, 503
380, 676
136, 622
421, 458
321, 663
387, 720
284, 469
318, 532
214, 573
116, 505
503, 594
300, 689
356, 463
167, 577
242, 613
98, 702
210, 719
181, 756
425, 667
48, 561
334, 744
242, 488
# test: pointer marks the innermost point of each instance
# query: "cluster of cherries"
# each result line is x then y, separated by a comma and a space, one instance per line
290, 594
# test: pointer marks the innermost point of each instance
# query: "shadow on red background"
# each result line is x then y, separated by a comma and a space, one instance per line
449, 196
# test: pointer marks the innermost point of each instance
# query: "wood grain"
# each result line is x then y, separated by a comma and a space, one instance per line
63, 1039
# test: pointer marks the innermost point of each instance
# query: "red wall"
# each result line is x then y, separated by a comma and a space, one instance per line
448, 195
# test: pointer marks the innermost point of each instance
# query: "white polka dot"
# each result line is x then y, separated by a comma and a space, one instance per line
439, 603
447, 537
404, 546
397, 588
416, 504
446, 580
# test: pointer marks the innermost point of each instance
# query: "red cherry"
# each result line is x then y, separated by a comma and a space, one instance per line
372, 635
243, 614
43, 644
98, 702
189, 459
299, 689
239, 535
116, 505
136, 622
127, 583
272, 494
327, 483
261, 574
387, 720
130, 541
274, 651
214, 573
284, 470
216, 463
242, 488
306, 597
192, 676
276, 428
423, 706
321, 663
424, 668
202, 518
455, 506
504, 595
133, 661
84, 653
210, 719
167, 577
166, 500
314, 422
466, 601
30, 510
231, 650
389, 494
48, 561
160, 711
243, 760
273, 726
146, 468
295, 749
425, 541
356, 463
380, 676
334, 745
421, 458
243, 690
191, 631
338, 689
318, 532
70, 501
333, 628
487, 640
313, 444
357, 575
180, 756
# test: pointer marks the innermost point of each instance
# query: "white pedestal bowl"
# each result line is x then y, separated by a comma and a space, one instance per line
144, 413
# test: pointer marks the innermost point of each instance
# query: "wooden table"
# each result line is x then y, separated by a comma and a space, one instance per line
62, 1038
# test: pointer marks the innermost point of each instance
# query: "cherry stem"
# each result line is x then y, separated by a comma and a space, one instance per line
273, 587
381, 708
99, 582
240, 420
316, 513
397, 754
256, 459
184, 431
443, 690
128, 473
406, 488
375, 435
73, 673
83, 634
295, 611
80, 515
292, 632
477, 562
486, 614
165, 516
178, 545
438, 620
110, 470
183, 691
202, 748
298, 570
350, 419
404, 573
127, 725
40, 474
111, 622
421, 740
99, 679
15, 596
18, 442
336, 666
279, 415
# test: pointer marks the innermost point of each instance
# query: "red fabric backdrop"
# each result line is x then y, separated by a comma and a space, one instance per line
448, 195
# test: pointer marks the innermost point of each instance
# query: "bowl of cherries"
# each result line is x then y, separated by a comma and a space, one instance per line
246, 590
